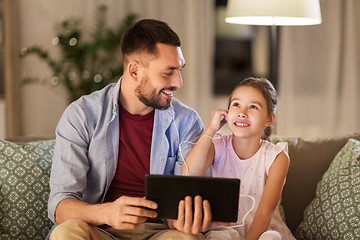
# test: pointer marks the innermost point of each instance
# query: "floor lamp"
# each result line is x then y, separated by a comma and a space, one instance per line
273, 13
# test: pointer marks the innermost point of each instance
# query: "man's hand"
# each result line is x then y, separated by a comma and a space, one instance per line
189, 222
127, 212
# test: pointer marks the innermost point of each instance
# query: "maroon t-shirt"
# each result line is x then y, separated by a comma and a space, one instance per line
134, 155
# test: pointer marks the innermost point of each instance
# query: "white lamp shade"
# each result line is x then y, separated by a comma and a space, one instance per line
273, 12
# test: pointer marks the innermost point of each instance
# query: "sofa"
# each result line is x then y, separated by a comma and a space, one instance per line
321, 197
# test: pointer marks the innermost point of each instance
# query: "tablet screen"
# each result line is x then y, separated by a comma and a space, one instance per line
168, 190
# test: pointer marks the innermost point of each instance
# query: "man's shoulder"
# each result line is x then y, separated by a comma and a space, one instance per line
92, 107
181, 107
185, 114
102, 97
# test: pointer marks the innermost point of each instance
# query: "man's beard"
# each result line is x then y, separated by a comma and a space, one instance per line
150, 97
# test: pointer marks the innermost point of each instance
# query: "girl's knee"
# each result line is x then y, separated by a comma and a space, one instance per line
177, 235
270, 235
224, 234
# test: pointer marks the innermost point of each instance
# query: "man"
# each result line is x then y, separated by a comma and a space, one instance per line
107, 141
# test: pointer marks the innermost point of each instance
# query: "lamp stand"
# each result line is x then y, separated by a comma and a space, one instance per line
274, 59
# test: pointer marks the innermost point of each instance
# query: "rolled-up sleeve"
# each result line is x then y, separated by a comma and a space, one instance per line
70, 163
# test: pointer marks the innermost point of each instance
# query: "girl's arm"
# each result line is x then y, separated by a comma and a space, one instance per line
270, 197
201, 156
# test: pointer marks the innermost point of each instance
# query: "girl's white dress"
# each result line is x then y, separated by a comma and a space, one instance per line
253, 173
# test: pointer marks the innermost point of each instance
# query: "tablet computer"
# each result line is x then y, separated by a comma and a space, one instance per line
168, 190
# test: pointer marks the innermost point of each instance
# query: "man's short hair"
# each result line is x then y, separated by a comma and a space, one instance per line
145, 34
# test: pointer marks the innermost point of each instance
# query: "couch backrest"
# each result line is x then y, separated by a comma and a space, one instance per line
24, 189
309, 159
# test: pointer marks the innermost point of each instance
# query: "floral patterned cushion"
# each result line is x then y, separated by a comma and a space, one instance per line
24, 189
335, 211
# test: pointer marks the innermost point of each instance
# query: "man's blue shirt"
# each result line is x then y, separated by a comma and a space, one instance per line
87, 144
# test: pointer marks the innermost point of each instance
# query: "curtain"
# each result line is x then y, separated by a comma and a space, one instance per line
192, 20
319, 74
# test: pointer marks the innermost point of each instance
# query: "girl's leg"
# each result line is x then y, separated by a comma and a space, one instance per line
224, 234
176, 235
270, 235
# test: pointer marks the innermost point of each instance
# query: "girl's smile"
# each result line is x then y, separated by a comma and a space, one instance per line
241, 124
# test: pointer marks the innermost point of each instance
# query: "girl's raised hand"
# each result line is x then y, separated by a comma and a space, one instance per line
217, 120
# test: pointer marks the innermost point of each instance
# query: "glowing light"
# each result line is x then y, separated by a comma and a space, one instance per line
55, 41
72, 76
73, 42
97, 78
54, 81
23, 51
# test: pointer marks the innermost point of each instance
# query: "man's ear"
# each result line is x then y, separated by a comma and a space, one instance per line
271, 120
133, 68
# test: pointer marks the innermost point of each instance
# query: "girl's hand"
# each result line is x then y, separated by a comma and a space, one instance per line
217, 120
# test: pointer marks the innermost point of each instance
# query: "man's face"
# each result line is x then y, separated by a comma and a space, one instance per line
161, 77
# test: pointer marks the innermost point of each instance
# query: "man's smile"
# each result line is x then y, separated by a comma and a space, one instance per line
168, 93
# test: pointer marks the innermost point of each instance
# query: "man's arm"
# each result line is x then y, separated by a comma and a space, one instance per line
124, 213
69, 178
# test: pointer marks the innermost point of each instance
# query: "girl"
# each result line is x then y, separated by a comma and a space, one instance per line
246, 154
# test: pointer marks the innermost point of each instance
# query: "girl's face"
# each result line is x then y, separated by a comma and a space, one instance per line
247, 115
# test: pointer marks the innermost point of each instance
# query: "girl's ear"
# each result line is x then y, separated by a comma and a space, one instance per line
271, 120
224, 120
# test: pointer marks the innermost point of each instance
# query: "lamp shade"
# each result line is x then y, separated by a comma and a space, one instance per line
273, 12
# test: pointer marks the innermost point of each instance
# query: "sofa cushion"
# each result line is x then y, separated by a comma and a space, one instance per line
335, 211
309, 160
24, 189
